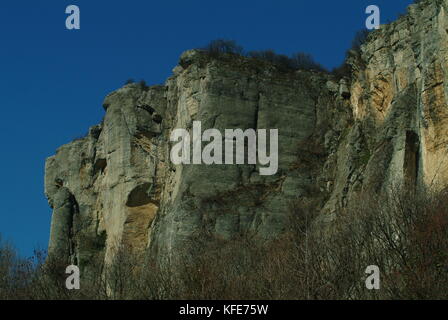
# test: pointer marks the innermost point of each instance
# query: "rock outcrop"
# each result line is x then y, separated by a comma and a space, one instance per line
386, 124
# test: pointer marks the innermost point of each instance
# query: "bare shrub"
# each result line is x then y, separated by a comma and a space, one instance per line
404, 233
223, 46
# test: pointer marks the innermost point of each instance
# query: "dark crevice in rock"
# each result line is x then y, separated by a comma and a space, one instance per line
147, 108
95, 131
411, 159
157, 118
99, 166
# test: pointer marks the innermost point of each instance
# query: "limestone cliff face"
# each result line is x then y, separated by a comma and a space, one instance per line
399, 106
385, 125
399, 95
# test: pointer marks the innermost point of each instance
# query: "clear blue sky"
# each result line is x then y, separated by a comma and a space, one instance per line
53, 81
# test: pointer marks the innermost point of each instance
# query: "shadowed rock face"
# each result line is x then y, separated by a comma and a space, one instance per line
65, 207
384, 126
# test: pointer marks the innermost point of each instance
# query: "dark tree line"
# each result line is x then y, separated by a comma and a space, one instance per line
296, 61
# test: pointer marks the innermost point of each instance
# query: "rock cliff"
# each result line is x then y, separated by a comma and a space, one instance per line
384, 125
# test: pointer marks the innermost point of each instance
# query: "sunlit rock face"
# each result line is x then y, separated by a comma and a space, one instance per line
400, 91
384, 125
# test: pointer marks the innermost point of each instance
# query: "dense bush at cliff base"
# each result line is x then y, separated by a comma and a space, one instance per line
404, 234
